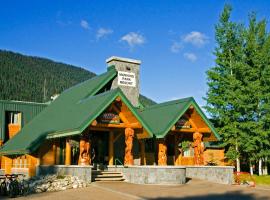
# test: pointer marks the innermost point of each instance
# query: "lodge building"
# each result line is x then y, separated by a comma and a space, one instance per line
102, 122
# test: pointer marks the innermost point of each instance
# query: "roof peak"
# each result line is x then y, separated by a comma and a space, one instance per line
166, 103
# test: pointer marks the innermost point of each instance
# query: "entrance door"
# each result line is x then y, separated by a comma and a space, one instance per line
100, 148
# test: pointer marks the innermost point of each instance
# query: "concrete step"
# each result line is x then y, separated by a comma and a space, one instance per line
105, 172
109, 179
98, 175
107, 175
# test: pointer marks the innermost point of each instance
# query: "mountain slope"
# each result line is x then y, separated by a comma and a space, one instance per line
28, 78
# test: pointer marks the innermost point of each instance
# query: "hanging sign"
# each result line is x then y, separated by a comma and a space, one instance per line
109, 118
183, 123
126, 79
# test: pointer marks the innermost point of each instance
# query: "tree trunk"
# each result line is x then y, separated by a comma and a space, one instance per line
251, 168
265, 167
238, 167
260, 167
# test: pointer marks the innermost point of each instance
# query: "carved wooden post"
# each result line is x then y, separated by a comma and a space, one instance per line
68, 153
84, 156
129, 135
198, 148
142, 151
162, 152
111, 144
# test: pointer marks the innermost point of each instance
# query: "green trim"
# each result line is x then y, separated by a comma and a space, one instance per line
210, 125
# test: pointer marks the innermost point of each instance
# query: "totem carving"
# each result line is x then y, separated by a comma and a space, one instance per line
129, 135
198, 148
85, 157
162, 152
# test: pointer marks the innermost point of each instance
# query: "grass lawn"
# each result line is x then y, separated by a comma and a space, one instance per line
262, 180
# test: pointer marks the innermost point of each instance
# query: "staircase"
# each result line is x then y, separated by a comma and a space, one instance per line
101, 175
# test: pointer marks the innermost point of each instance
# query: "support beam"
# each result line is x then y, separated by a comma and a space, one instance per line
177, 150
198, 148
129, 135
142, 152
68, 153
121, 115
121, 125
162, 152
85, 154
111, 150
54, 152
191, 130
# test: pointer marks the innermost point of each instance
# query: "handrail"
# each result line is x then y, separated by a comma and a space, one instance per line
117, 160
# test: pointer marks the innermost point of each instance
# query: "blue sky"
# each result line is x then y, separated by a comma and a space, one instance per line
174, 39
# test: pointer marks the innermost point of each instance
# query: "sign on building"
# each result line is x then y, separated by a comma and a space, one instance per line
126, 79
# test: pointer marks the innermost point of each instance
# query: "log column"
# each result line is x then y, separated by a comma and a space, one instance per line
85, 154
162, 152
129, 135
198, 148
142, 151
68, 153
177, 150
111, 150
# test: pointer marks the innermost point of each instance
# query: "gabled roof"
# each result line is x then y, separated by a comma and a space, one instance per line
162, 117
62, 115
77, 118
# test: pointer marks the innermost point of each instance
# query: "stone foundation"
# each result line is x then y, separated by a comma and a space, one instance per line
217, 174
152, 174
83, 172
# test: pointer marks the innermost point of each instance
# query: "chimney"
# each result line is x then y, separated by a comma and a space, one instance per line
128, 77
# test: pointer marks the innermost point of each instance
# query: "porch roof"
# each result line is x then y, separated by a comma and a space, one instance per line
162, 117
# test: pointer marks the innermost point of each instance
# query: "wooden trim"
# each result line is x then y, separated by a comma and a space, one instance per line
121, 115
121, 125
191, 130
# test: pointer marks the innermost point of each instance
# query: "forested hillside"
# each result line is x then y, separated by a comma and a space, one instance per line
28, 78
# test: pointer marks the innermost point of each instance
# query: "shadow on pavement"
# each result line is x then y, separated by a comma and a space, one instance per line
237, 195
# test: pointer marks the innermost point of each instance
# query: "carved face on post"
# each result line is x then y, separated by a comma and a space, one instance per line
129, 135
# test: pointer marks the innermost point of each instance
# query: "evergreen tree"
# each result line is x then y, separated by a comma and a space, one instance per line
225, 89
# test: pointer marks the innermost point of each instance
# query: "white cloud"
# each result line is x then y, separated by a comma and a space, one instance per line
133, 39
196, 38
102, 32
190, 56
176, 46
84, 24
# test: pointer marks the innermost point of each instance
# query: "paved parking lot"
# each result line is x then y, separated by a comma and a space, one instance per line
194, 189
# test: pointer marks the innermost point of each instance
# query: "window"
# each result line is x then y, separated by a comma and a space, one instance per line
188, 152
14, 117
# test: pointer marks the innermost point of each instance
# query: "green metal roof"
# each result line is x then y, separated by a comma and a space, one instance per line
63, 115
78, 106
162, 117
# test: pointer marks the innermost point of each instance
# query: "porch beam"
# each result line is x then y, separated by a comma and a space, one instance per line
191, 130
121, 125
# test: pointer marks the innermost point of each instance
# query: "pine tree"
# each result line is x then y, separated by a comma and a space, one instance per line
224, 85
